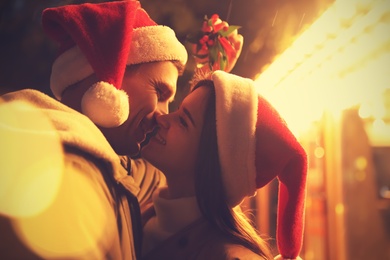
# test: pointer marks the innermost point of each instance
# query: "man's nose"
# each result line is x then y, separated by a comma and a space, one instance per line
162, 108
163, 120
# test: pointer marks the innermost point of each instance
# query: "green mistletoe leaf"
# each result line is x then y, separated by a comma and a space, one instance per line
207, 42
228, 31
213, 54
223, 61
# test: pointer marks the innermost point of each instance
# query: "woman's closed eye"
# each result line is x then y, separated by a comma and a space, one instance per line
183, 122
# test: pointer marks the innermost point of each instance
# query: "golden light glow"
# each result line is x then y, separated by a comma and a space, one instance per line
68, 215
339, 209
361, 163
378, 132
319, 152
31, 160
341, 60
39, 200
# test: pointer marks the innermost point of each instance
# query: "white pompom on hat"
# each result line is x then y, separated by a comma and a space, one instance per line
256, 146
103, 39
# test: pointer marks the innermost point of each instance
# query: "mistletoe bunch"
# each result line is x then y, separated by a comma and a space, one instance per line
211, 43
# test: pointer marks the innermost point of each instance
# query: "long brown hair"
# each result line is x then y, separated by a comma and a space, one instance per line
210, 192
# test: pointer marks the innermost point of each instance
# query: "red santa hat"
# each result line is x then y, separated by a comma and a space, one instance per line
103, 39
256, 146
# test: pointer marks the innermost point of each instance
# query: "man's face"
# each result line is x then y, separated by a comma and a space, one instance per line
150, 87
175, 146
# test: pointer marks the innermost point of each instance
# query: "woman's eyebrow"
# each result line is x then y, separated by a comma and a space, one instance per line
189, 116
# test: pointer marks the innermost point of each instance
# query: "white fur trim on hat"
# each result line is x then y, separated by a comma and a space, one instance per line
149, 43
236, 115
156, 43
105, 105
68, 69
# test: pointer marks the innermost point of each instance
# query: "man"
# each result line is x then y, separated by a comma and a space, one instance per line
116, 70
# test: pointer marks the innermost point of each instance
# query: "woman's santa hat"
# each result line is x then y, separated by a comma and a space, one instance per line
103, 39
255, 146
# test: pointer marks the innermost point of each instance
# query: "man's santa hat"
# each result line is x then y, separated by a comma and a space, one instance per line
103, 39
255, 146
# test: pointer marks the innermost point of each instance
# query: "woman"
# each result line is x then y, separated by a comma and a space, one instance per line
222, 144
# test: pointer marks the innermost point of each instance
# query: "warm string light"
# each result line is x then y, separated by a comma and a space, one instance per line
340, 61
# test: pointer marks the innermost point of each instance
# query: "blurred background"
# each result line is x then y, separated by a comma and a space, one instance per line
324, 64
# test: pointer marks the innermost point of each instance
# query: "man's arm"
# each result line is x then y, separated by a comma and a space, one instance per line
147, 177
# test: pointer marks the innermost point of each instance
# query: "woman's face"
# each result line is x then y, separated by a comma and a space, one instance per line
174, 148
